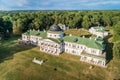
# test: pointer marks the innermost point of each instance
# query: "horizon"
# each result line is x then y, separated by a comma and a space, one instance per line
60, 10
10, 5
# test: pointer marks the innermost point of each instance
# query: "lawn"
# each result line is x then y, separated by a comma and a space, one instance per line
78, 32
16, 64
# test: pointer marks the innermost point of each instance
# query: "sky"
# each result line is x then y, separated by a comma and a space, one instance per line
59, 4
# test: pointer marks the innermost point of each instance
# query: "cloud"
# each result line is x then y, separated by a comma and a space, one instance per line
9, 4
58, 4
101, 2
4, 7
83, 4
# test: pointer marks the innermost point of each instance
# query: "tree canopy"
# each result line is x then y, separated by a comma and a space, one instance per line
116, 29
116, 49
21, 21
5, 28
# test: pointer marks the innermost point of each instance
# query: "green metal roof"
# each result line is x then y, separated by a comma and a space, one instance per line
93, 56
36, 33
42, 34
99, 29
55, 40
91, 43
55, 27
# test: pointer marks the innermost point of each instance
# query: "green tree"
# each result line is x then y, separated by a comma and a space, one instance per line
107, 20
5, 27
18, 26
115, 20
116, 29
37, 24
116, 49
86, 22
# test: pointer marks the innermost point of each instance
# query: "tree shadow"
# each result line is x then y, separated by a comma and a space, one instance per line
109, 49
10, 47
109, 52
88, 36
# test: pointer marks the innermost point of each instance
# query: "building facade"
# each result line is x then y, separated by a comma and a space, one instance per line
63, 27
51, 47
99, 31
55, 42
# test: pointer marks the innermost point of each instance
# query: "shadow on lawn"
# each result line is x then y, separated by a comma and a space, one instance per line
10, 47
109, 49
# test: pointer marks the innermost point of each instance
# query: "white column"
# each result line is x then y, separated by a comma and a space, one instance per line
103, 63
81, 58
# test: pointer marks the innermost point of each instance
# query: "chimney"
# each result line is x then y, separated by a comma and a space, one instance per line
90, 38
83, 36
70, 34
38, 30
44, 30
95, 39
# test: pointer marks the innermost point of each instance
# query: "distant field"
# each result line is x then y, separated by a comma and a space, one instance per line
77, 32
16, 64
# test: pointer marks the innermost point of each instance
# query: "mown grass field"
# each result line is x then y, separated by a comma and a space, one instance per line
16, 64
77, 32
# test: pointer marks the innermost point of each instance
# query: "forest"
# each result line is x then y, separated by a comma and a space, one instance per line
17, 22
21, 21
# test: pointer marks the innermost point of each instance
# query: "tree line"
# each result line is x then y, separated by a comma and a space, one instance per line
22, 21
5, 28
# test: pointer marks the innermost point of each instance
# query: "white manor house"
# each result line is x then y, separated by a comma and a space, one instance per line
55, 41
99, 31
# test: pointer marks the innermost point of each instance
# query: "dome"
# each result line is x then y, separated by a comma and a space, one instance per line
55, 27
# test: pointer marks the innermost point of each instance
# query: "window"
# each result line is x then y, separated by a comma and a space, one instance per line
74, 46
84, 47
69, 44
66, 50
73, 51
36, 38
93, 51
81, 47
99, 62
66, 44
56, 46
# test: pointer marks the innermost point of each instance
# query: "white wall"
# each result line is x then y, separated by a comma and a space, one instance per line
25, 37
96, 60
101, 34
75, 50
93, 51
53, 35
79, 49
52, 46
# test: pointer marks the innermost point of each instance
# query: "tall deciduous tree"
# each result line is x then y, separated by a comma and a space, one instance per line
116, 29
18, 27
86, 22
116, 49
